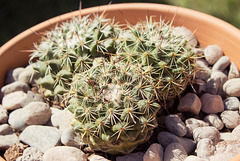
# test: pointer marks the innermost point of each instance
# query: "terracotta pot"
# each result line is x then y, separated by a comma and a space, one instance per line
208, 30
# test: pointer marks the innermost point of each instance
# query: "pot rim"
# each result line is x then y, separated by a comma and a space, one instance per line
99, 9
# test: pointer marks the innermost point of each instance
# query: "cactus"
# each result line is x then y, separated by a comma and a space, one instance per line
70, 49
114, 80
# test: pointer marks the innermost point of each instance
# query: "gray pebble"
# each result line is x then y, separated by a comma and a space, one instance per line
175, 152
165, 138
3, 115
154, 153
62, 119
95, 157
12, 75
228, 136
175, 125
209, 132
198, 51
215, 83
231, 119
195, 158
211, 104
70, 138
233, 71
200, 86
192, 124
31, 154
12, 101
203, 71
214, 120
190, 103
28, 75
37, 113
40, 137
31, 97
221, 64
231, 103
15, 86
17, 119
6, 141
212, 53
205, 148
236, 132
226, 150
5, 129
232, 87
138, 156
187, 35
64, 153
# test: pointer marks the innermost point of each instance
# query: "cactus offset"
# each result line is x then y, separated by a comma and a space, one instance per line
114, 79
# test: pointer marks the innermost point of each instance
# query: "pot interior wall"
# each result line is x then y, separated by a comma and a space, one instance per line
207, 29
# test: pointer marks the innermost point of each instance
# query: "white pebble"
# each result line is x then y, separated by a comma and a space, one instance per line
212, 53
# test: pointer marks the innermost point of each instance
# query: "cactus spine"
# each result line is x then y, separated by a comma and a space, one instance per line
114, 79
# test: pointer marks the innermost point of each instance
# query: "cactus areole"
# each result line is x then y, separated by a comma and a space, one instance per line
113, 78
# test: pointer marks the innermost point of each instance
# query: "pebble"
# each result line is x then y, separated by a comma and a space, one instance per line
31, 97
195, 158
5, 129
186, 34
3, 115
205, 148
203, 71
40, 137
198, 51
31, 154
231, 103
221, 64
28, 75
12, 101
64, 153
190, 103
15, 86
138, 156
62, 119
165, 138
236, 132
175, 125
233, 71
154, 153
6, 141
232, 87
231, 119
209, 132
226, 150
175, 152
214, 120
95, 157
17, 119
70, 138
37, 113
12, 75
212, 53
192, 124
215, 83
228, 136
200, 86
211, 104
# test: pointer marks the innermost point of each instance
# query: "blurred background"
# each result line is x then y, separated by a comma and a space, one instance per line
19, 15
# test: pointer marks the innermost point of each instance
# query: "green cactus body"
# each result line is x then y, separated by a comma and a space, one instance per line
71, 48
114, 79
107, 111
